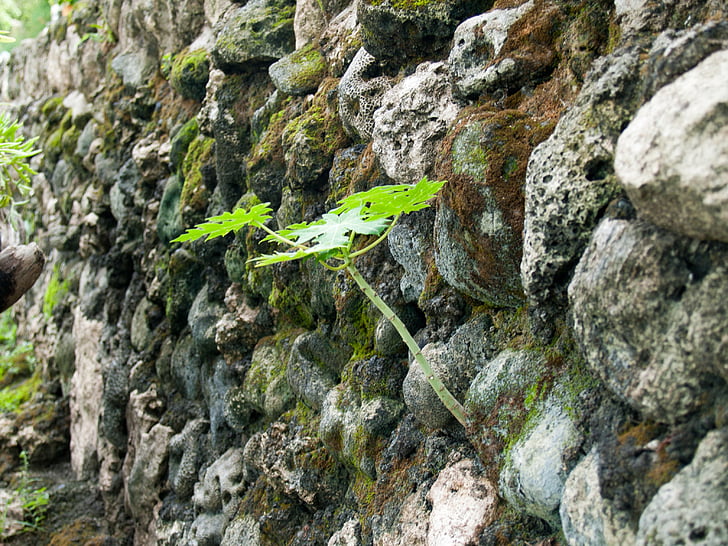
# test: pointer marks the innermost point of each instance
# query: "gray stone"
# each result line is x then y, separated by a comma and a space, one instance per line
341, 40
169, 217
254, 35
220, 489
135, 68
185, 367
186, 452
314, 366
673, 157
691, 508
360, 92
409, 242
569, 180
587, 518
203, 317
298, 73
532, 479
412, 121
266, 388
477, 42
141, 334
242, 530
348, 535
456, 363
649, 313
148, 472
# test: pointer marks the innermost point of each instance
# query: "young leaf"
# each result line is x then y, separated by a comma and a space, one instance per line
218, 226
386, 201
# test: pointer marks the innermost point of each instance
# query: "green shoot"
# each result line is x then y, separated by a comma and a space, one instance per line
331, 241
15, 172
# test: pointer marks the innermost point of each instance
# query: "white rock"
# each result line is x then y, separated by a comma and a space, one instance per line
673, 157
463, 503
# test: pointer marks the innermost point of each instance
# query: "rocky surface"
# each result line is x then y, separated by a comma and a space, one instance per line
569, 283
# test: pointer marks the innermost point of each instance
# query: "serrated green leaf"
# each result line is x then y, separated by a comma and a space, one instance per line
333, 230
392, 200
218, 226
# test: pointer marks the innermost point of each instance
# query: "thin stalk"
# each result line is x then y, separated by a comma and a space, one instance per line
375, 243
445, 395
278, 237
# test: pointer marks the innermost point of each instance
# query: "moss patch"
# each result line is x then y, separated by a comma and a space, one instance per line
189, 74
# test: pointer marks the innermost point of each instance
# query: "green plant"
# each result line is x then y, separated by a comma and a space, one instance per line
15, 172
102, 33
55, 291
330, 241
32, 501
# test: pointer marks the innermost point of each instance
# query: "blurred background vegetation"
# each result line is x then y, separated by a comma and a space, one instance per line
23, 19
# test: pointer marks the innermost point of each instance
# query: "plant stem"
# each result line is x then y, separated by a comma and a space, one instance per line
440, 389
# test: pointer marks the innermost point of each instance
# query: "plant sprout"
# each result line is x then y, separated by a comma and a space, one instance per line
330, 240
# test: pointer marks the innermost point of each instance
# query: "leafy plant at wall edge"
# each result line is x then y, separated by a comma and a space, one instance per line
15, 173
34, 501
330, 240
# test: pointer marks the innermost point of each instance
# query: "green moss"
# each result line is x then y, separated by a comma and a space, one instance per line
189, 74
407, 5
14, 396
55, 291
195, 195
53, 110
181, 142
69, 139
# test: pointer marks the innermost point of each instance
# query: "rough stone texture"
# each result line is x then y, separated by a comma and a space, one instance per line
477, 41
534, 474
480, 217
646, 316
361, 90
254, 35
393, 29
569, 179
463, 502
586, 516
690, 509
673, 157
456, 363
86, 391
411, 122
298, 73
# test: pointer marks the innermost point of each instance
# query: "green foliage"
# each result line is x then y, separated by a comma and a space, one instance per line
55, 291
330, 240
24, 19
16, 359
33, 501
15, 172
101, 33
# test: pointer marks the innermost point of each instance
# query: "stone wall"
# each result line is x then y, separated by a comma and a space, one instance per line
570, 284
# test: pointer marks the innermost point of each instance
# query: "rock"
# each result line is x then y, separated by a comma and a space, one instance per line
298, 73
298, 464
392, 29
217, 495
587, 518
570, 180
218, 379
691, 507
315, 366
238, 330
673, 157
254, 35
480, 218
242, 530
190, 73
456, 363
186, 452
266, 389
203, 318
410, 242
147, 473
463, 503
412, 121
169, 217
135, 68
475, 60
185, 367
87, 389
141, 331
361, 90
348, 535
532, 479
341, 40
411, 524
660, 353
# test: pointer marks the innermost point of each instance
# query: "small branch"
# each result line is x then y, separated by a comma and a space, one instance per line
20, 267
375, 243
438, 386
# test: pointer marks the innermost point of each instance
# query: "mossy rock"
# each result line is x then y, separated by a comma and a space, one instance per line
255, 35
181, 140
189, 74
400, 29
311, 140
198, 176
479, 224
300, 72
